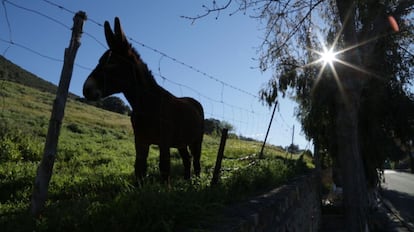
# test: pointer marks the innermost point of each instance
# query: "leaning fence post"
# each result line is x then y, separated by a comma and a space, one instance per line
220, 153
261, 156
44, 171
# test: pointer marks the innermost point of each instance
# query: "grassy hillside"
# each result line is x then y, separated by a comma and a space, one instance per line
93, 187
11, 72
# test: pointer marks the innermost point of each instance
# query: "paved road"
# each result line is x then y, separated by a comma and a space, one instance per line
399, 190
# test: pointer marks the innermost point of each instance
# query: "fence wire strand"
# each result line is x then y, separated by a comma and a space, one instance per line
201, 73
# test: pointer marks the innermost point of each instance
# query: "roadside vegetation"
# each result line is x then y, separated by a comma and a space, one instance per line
93, 186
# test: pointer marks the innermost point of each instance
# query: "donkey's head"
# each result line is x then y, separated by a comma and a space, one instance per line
112, 73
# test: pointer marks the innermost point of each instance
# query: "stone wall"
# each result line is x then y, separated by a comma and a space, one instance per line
291, 207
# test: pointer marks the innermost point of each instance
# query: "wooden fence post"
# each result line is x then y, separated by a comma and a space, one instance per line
261, 156
220, 153
44, 171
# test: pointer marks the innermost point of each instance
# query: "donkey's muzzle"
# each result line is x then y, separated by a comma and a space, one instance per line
91, 90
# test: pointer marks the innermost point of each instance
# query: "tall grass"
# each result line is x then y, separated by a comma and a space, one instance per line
93, 187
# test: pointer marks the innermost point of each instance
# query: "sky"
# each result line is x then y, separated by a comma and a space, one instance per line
220, 56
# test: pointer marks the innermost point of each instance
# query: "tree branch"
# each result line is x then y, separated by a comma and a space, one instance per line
291, 33
208, 11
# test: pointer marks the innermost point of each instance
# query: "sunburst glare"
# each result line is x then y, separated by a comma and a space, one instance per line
331, 56
328, 56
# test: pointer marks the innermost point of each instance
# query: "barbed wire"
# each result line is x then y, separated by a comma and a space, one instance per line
37, 12
6, 15
232, 107
103, 45
60, 7
159, 75
284, 123
12, 43
211, 77
205, 96
7, 19
163, 77
49, 18
69, 11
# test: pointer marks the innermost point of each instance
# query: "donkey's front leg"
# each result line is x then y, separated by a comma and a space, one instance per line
165, 163
141, 160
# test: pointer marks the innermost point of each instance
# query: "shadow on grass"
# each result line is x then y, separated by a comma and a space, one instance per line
112, 202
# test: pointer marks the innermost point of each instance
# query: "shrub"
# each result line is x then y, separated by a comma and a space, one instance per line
75, 128
8, 150
16, 145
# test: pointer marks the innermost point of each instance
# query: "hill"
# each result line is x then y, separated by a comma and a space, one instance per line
93, 186
12, 72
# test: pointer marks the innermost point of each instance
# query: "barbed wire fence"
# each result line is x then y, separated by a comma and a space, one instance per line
251, 117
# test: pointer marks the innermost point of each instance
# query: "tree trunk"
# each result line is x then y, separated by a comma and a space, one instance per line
353, 178
347, 106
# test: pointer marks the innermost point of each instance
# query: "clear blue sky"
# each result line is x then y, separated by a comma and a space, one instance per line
225, 49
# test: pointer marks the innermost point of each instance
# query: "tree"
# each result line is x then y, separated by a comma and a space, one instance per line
361, 28
214, 126
115, 104
293, 148
211, 126
111, 103
227, 125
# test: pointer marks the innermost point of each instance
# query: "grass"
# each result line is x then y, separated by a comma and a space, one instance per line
93, 187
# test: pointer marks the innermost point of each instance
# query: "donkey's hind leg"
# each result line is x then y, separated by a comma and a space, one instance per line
165, 163
196, 153
185, 156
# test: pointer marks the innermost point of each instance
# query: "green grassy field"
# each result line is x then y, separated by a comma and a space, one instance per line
93, 187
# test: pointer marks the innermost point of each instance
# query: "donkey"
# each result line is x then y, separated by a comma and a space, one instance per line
158, 117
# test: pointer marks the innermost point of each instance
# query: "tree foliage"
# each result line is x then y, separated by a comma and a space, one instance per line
293, 148
111, 103
293, 31
214, 127
364, 98
115, 104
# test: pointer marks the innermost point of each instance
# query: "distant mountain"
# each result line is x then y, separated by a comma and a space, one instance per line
12, 72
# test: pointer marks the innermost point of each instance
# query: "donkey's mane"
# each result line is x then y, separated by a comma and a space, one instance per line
144, 67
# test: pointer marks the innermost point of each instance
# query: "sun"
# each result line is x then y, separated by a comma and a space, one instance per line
328, 56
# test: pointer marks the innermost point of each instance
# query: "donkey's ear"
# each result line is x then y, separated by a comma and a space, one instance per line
119, 33
109, 35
